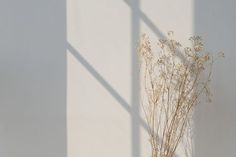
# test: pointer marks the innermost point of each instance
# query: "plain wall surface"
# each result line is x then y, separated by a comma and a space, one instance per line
215, 124
33, 78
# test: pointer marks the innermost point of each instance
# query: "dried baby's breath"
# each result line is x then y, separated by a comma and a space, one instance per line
172, 86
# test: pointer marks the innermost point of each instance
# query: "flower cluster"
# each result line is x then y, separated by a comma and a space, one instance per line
174, 78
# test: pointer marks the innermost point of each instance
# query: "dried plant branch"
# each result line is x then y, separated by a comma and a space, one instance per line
172, 88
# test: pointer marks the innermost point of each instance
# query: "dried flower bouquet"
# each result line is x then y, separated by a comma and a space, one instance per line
174, 78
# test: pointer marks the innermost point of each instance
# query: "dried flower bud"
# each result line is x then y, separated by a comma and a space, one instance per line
221, 54
197, 43
170, 34
207, 57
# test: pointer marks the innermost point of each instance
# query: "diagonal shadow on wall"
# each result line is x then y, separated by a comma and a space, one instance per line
102, 81
136, 16
133, 110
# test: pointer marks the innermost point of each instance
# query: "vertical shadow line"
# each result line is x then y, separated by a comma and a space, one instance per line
135, 127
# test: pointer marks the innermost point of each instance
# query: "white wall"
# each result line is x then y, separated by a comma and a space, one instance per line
103, 114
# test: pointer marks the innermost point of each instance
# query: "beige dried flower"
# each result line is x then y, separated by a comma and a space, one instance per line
172, 87
145, 48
